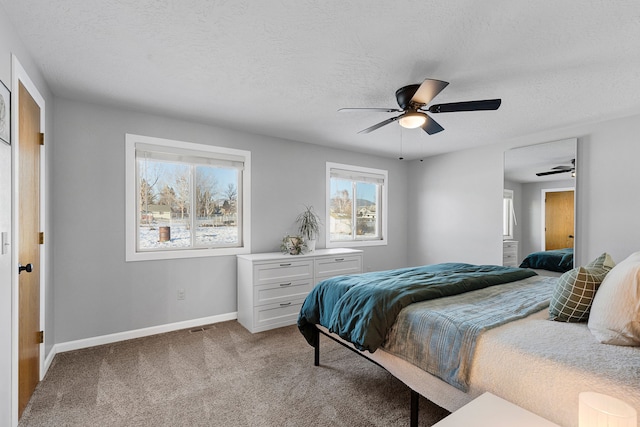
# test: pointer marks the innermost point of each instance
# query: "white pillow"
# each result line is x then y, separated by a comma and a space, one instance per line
615, 313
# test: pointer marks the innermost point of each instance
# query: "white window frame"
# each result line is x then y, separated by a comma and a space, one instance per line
509, 220
131, 203
382, 208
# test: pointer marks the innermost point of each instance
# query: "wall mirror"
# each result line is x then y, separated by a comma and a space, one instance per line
539, 204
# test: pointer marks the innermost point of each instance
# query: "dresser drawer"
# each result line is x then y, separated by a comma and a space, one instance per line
275, 315
283, 271
510, 253
509, 260
337, 266
281, 291
510, 246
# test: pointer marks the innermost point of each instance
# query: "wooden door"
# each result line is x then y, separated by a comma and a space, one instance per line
29, 247
559, 217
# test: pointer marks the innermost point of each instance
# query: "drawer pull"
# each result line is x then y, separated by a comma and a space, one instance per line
285, 284
285, 265
285, 304
339, 259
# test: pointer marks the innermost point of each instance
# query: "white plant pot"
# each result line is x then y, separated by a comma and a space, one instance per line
311, 245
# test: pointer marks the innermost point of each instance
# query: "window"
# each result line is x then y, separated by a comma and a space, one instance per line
508, 215
356, 206
185, 200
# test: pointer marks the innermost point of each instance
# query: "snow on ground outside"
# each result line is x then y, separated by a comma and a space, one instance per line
181, 236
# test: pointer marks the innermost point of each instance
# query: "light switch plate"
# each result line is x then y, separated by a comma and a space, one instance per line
4, 242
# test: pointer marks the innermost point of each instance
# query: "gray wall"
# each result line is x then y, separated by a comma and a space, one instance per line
455, 208
609, 174
98, 293
456, 198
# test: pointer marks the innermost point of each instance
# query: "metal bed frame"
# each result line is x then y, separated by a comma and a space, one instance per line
415, 396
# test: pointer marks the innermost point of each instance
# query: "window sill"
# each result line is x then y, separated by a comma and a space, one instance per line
184, 253
356, 243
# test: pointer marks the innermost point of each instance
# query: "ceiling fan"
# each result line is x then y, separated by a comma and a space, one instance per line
560, 169
413, 100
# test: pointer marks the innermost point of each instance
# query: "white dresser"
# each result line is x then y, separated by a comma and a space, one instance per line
273, 286
510, 253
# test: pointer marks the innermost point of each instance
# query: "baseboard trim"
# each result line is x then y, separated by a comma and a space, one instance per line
47, 361
137, 333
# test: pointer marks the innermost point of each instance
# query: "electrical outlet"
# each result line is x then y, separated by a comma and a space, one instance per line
181, 294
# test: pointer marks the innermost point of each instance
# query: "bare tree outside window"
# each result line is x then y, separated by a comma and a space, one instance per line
183, 192
185, 200
231, 196
357, 197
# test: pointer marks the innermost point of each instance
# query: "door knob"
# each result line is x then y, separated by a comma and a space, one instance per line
28, 268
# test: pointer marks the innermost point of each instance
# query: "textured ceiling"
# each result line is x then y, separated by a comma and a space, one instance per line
284, 68
521, 164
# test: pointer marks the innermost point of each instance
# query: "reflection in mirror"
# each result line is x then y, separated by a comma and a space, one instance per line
540, 181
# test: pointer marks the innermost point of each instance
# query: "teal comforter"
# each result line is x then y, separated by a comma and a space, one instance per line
361, 308
560, 260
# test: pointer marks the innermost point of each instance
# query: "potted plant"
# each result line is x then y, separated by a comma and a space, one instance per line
309, 227
293, 245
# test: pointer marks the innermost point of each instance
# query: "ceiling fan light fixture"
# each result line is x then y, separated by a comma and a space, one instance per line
412, 120
413, 100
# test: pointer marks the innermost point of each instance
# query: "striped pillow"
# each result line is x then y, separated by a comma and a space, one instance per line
573, 295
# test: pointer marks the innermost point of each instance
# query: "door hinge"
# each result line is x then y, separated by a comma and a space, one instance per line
40, 337
41, 138
41, 238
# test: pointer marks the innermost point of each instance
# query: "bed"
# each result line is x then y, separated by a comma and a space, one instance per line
557, 260
548, 362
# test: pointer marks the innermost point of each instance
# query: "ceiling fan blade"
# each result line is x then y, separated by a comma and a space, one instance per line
487, 104
553, 172
427, 91
379, 125
431, 126
382, 110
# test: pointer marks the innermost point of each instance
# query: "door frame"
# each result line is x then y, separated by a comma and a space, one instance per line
19, 75
543, 214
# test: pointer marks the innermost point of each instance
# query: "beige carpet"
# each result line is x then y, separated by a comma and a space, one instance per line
220, 376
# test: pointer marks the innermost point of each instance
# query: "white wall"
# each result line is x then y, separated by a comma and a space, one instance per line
456, 198
5, 285
11, 44
5, 226
98, 293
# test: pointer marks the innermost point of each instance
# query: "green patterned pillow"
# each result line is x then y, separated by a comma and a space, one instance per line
573, 295
603, 261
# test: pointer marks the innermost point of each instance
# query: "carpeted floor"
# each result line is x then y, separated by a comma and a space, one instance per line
220, 375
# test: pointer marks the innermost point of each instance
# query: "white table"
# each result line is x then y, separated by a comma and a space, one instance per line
490, 410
